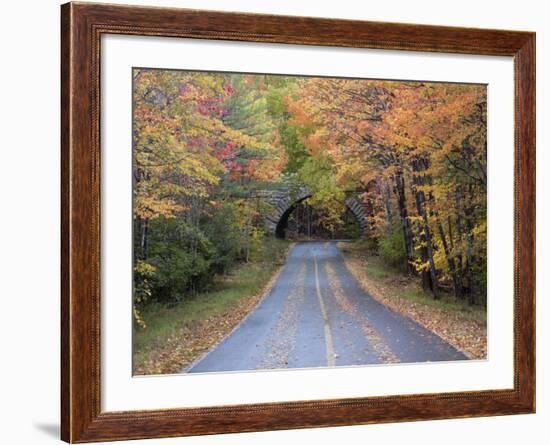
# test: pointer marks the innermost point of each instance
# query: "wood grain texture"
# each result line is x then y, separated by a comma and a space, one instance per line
82, 26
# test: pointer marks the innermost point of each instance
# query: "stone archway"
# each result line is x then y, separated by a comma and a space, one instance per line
285, 201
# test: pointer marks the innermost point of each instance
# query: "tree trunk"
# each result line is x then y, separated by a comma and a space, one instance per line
429, 277
460, 266
386, 198
407, 233
450, 228
450, 259
144, 243
469, 258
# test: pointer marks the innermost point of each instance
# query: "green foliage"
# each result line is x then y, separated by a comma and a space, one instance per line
181, 255
163, 319
206, 143
391, 247
222, 230
327, 198
296, 152
144, 274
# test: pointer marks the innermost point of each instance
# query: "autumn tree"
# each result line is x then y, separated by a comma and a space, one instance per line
411, 148
201, 141
208, 145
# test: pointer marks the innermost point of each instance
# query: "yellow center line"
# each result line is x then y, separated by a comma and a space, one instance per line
328, 335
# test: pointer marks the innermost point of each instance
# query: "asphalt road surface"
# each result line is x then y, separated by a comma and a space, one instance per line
316, 315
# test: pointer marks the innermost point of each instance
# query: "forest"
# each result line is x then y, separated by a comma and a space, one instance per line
207, 146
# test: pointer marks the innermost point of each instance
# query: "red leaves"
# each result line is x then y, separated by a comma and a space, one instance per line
228, 88
208, 107
225, 153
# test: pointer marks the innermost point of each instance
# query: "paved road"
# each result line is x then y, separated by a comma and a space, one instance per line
317, 315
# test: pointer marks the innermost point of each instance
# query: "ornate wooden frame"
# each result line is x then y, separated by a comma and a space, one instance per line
81, 28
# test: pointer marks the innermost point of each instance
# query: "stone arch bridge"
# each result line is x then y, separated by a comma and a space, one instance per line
284, 201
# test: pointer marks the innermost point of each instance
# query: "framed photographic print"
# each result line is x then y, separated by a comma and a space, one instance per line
275, 222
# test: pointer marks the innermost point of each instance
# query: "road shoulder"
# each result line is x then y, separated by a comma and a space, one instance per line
460, 329
191, 339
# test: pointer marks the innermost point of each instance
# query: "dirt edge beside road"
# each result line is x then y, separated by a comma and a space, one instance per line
468, 336
191, 342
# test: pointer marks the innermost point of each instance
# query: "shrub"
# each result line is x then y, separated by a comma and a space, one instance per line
391, 247
181, 255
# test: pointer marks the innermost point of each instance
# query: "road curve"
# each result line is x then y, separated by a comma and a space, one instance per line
316, 315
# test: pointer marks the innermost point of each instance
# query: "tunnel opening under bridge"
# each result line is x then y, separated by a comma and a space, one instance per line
299, 220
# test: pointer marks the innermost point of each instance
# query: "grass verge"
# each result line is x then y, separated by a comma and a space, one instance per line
462, 325
177, 335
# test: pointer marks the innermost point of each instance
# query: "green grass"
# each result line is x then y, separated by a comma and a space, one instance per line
378, 270
409, 288
447, 302
244, 280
